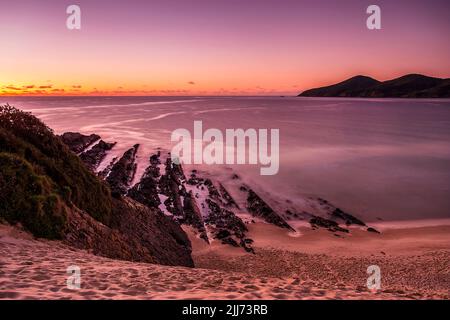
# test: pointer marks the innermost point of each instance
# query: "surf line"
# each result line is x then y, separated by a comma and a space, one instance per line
240, 146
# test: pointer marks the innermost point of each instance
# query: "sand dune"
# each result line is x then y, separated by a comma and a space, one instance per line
36, 269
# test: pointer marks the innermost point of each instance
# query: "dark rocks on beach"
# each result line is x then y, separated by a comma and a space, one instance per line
227, 198
331, 225
348, 218
122, 172
229, 228
193, 216
146, 190
170, 185
370, 229
96, 154
259, 208
104, 173
78, 142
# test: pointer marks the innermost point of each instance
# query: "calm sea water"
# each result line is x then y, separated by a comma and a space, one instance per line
387, 158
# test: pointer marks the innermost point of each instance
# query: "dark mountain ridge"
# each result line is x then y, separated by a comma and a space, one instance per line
408, 86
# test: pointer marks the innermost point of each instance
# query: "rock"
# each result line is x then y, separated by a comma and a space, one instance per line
259, 208
193, 216
136, 233
348, 218
78, 142
331, 225
146, 190
228, 199
227, 226
370, 229
96, 154
122, 172
171, 186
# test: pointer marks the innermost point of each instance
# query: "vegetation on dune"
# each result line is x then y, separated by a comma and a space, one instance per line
40, 177
29, 198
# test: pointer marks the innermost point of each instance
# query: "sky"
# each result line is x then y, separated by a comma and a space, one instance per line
215, 47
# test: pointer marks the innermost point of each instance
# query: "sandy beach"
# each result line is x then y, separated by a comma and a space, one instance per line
415, 264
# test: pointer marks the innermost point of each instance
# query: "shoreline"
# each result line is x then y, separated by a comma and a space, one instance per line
36, 269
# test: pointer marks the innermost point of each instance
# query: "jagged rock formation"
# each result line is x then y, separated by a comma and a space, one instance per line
331, 225
259, 208
78, 142
146, 190
48, 190
207, 206
346, 217
94, 156
122, 172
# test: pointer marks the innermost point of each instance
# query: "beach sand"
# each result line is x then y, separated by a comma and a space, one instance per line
414, 262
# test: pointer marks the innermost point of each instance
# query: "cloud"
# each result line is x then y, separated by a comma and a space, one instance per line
31, 86
76, 86
13, 88
191, 82
46, 87
58, 90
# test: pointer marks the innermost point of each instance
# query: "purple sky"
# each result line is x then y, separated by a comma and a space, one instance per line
215, 46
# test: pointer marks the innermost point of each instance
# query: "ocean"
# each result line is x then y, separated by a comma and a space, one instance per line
377, 158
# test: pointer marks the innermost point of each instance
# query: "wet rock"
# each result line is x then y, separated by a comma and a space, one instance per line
229, 228
96, 154
228, 200
104, 173
370, 229
146, 190
259, 208
193, 216
171, 185
122, 172
348, 218
78, 142
331, 225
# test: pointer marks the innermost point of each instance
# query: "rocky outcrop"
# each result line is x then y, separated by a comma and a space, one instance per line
331, 225
96, 154
48, 190
259, 208
136, 233
228, 228
146, 190
370, 229
228, 200
337, 214
193, 216
166, 241
78, 142
346, 217
122, 172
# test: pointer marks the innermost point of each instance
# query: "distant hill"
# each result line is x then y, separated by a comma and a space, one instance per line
408, 86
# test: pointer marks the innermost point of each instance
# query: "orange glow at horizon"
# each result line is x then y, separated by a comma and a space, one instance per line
215, 47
